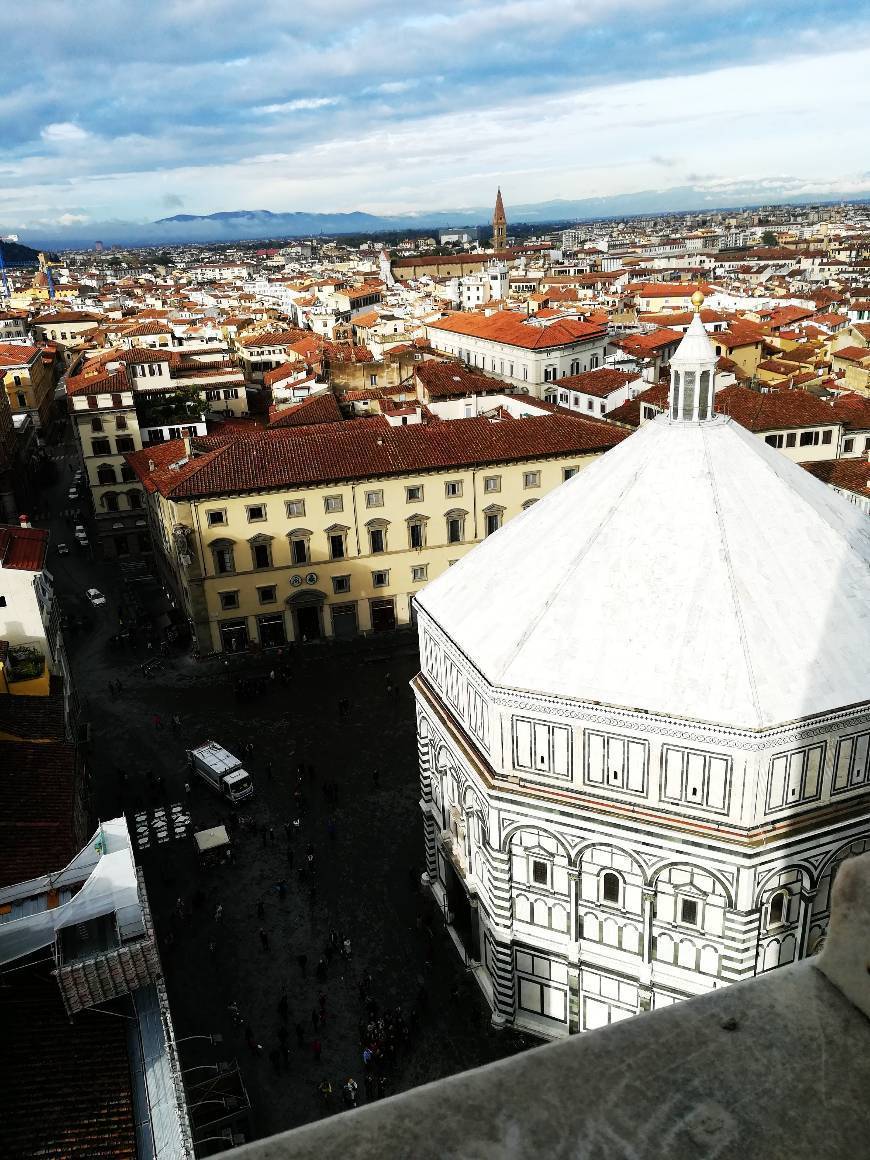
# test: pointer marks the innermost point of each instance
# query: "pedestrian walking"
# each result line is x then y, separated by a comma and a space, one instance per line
350, 1091
302, 960
345, 948
218, 912
264, 939
321, 1000
272, 835
324, 1088
316, 1049
158, 724
261, 909
376, 777
321, 971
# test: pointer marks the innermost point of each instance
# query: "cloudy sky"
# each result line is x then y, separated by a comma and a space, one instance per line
123, 111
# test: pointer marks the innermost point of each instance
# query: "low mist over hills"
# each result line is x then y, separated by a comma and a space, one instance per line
251, 224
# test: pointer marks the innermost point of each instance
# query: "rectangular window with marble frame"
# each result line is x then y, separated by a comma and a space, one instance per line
615, 762
795, 778
541, 747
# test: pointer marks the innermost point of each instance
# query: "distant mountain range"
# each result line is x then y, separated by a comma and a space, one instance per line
14, 254
257, 224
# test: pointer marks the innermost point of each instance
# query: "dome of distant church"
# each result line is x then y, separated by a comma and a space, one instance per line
692, 571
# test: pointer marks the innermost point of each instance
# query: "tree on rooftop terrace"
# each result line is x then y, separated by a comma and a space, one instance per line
769, 238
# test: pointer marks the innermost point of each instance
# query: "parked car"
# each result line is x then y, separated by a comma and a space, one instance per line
73, 493
63, 549
83, 542
96, 597
80, 532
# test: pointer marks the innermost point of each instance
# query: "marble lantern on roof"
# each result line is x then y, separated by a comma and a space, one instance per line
643, 717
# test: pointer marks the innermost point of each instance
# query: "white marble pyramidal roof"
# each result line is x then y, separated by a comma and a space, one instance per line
691, 571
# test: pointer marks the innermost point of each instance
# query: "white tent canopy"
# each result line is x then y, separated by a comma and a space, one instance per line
105, 873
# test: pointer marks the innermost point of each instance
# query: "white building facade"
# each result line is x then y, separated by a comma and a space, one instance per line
637, 783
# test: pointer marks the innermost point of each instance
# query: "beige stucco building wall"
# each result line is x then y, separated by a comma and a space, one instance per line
361, 591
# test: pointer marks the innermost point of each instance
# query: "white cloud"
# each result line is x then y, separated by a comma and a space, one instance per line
61, 132
72, 219
297, 105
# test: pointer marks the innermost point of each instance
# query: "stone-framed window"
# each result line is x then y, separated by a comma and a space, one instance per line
336, 539
294, 508
416, 531
300, 546
377, 533
223, 556
261, 552
455, 520
229, 599
493, 517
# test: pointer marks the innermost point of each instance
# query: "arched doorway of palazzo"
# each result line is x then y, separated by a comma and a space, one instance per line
306, 608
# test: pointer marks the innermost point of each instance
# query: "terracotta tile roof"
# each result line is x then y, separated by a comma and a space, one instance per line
99, 385
849, 474
511, 329
17, 354
67, 1092
321, 408
22, 549
644, 345
272, 338
66, 316
600, 383
363, 449
763, 412
853, 411
629, 413
286, 370
443, 380
852, 353
32, 718
142, 329
666, 289
37, 800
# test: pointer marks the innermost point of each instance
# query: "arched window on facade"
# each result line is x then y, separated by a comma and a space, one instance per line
110, 501
106, 473
777, 908
611, 888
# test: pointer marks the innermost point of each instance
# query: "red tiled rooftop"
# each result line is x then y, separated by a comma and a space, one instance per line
67, 1092
849, 474
777, 409
511, 328
22, 549
320, 408
445, 379
600, 383
362, 449
14, 354
37, 807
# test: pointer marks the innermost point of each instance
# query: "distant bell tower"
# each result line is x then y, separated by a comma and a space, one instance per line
499, 225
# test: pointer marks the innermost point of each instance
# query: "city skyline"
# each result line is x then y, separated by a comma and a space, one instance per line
379, 109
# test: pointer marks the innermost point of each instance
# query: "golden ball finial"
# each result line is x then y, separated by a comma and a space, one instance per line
697, 300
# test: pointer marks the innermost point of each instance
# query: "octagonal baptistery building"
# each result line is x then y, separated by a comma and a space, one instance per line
643, 722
